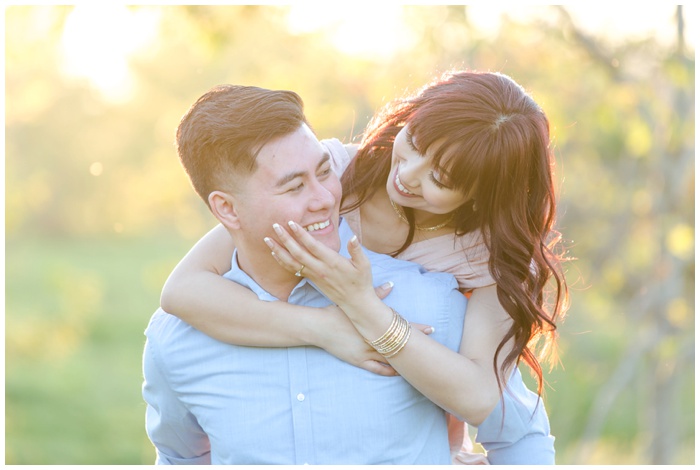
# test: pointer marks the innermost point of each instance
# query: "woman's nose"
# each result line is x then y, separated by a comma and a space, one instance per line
410, 172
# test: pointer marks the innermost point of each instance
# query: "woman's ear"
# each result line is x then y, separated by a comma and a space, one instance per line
223, 206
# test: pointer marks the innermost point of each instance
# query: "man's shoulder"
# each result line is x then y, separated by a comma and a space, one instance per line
179, 346
165, 329
159, 321
385, 264
422, 296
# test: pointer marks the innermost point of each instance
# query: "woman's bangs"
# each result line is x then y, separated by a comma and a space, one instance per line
454, 164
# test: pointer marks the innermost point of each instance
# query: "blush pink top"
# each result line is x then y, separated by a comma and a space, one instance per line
465, 257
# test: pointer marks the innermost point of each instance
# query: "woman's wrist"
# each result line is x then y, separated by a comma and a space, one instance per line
371, 318
394, 338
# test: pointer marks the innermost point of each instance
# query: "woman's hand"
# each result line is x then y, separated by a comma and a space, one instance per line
338, 337
345, 281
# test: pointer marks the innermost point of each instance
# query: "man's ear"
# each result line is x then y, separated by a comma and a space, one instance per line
223, 206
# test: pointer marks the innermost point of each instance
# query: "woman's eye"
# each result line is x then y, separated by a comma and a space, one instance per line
409, 141
437, 182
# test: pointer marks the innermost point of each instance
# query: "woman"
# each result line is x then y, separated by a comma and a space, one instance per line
458, 178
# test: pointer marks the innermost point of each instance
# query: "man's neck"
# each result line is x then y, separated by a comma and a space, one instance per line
269, 275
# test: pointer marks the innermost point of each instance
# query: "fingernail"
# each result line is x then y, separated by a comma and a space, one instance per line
277, 228
292, 225
387, 285
355, 242
429, 330
268, 242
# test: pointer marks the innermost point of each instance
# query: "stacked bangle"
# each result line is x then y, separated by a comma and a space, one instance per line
395, 337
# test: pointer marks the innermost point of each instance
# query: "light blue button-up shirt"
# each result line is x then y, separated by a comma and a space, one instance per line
210, 402
517, 430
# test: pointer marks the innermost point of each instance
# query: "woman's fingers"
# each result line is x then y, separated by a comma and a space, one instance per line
292, 246
426, 329
343, 280
306, 240
282, 256
359, 258
379, 368
304, 248
384, 290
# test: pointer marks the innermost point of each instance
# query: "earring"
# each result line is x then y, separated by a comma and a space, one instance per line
474, 206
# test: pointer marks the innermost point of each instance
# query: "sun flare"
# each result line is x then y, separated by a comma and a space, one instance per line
98, 39
352, 30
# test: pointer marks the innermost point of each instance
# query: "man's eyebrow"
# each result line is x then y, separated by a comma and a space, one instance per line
300, 174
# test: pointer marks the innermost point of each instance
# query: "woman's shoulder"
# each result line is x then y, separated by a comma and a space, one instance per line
341, 154
351, 149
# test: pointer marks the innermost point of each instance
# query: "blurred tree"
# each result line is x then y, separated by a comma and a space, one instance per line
650, 233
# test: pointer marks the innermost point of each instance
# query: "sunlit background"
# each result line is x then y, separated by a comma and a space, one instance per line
98, 210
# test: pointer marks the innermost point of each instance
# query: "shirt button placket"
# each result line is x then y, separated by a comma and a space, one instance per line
301, 411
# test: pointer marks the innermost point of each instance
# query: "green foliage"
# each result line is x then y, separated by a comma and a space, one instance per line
98, 210
76, 312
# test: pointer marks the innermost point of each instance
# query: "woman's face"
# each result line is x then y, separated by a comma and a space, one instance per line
414, 182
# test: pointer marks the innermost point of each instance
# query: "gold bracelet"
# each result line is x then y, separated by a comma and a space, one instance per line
401, 345
389, 331
395, 337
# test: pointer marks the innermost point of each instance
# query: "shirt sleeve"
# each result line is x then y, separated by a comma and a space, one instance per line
517, 430
340, 158
173, 430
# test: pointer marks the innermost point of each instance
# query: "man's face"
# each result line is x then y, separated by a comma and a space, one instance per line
293, 181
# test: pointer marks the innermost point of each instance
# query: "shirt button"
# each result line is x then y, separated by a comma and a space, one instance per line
301, 397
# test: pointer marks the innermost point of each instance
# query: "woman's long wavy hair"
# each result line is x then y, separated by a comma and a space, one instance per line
490, 135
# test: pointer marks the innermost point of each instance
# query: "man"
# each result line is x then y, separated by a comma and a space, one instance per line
252, 156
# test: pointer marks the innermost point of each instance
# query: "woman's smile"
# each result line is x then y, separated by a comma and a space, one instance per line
400, 186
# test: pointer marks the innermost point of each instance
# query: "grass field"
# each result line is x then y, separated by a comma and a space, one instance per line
75, 315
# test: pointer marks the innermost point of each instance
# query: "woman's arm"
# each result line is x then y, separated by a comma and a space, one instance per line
462, 383
197, 293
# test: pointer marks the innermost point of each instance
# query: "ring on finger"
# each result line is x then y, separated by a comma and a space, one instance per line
298, 273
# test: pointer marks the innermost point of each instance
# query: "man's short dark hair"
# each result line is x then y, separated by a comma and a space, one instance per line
219, 138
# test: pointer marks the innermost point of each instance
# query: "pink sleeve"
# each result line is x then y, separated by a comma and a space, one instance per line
340, 158
465, 257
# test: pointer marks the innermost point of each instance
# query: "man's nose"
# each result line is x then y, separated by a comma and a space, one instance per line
322, 198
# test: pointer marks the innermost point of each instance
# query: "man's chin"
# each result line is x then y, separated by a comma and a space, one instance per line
328, 236
331, 240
